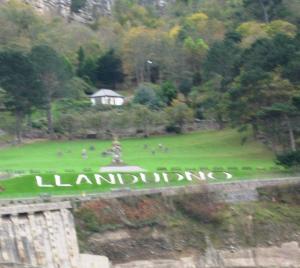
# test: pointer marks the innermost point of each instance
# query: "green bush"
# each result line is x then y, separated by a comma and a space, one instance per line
290, 159
146, 95
173, 129
39, 124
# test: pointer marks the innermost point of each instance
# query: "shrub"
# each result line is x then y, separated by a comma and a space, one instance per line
168, 92
39, 124
173, 129
289, 194
146, 95
179, 114
290, 159
202, 207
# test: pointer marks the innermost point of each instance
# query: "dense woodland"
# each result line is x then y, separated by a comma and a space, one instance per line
236, 62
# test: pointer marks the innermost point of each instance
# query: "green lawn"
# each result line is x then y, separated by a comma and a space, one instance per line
203, 149
211, 150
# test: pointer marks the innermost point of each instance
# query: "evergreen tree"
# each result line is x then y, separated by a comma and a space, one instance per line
81, 61
109, 69
54, 71
20, 82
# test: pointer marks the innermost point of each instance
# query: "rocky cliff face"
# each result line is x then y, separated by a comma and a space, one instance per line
287, 255
87, 14
195, 230
91, 10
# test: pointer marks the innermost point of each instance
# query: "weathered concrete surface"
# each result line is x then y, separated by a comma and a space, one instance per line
34, 208
42, 236
288, 255
92, 261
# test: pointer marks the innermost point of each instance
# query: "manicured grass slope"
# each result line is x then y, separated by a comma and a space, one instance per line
202, 149
198, 151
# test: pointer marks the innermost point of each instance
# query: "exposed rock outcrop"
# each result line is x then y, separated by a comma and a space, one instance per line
91, 10
288, 255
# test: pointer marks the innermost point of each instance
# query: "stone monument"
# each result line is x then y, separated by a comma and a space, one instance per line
116, 152
117, 163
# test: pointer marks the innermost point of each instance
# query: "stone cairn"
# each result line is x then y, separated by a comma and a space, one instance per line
116, 152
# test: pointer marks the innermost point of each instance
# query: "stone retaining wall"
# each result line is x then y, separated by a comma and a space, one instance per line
236, 191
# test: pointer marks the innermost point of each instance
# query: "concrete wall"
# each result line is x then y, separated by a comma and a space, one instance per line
92, 261
41, 235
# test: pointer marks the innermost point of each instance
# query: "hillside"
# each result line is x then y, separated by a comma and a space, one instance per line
194, 227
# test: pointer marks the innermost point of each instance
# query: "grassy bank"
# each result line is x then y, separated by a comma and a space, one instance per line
189, 151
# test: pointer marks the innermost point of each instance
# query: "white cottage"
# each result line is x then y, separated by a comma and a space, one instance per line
107, 97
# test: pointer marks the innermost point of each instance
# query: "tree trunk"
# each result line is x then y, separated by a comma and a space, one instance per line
220, 122
29, 120
19, 127
291, 133
264, 9
254, 129
146, 130
49, 118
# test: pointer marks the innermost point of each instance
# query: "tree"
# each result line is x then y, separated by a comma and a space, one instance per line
252, 31
185, 86
76, 89
168, 92
146, 95
200, 25
20, 81
224, 59
88, 71
265, 10
20, 25
128, 12
265, 101
2, 98
109, 69
283, 111
70, 124
141, 46
282, 106
80, 59
179, 114
195, 51
54, 71
143, 118
211, 100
